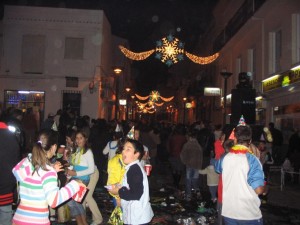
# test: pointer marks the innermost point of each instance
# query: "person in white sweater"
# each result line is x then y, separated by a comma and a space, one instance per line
212, 180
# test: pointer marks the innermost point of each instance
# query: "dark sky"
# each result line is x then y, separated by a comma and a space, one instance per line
143, 22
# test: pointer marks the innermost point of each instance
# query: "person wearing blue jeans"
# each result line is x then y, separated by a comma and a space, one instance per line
192, 156
192, 182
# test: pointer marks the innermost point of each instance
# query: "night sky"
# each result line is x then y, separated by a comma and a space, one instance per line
142, 23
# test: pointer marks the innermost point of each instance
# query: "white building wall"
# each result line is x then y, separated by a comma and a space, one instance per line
273, 16
56, 24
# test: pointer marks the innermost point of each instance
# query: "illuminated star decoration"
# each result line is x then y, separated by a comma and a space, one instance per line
170, 51
154, 96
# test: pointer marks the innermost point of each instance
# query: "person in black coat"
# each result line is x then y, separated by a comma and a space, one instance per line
9, 157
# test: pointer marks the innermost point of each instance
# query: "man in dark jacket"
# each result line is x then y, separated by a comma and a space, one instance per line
9, 157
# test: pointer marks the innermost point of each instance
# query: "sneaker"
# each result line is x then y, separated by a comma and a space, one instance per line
52, 218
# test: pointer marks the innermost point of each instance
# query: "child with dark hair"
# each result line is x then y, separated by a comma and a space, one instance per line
38, 183
134, 191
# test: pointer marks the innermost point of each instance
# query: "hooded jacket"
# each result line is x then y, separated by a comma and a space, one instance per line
39, 190
9, 157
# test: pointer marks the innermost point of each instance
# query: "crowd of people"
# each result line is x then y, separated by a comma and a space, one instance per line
67, 153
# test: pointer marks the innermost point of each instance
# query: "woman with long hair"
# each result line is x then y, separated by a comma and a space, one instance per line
38, 183
84, 169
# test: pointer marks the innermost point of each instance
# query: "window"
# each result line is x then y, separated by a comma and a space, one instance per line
238, 69
251, 63
295, 38
33, 54
74, 48
278, 50
275, 50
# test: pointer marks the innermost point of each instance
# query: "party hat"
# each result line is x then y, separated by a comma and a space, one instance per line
242, 121
118, 128
231, 136
130, 134
54, 126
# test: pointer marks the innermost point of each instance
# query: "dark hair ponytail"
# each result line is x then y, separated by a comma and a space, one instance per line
47, 138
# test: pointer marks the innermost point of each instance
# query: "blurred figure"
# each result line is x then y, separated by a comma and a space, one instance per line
192, 156
9, 157
212, 180
175, 144
276, 144
14, 120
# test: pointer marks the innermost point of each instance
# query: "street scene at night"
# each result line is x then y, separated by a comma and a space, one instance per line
153, 112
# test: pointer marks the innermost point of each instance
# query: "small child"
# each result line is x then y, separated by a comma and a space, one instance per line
212, 180
134, 192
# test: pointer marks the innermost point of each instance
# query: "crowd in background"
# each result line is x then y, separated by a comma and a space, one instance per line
186, 148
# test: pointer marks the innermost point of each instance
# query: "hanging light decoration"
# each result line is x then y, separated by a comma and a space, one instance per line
170, 51
154, 96
135, 56
141, 97
202, 60
159, 104
167, 99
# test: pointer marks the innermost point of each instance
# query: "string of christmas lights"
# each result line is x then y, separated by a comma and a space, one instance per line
135, 56
202, 60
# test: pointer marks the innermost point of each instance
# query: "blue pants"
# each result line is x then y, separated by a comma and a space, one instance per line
229, 221
192, 180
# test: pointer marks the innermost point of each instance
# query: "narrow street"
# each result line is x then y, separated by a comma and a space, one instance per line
282, 207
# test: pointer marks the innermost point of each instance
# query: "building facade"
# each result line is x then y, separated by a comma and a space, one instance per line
55, 58
261, 38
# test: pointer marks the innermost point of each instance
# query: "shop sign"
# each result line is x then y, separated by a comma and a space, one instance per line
281, 80
122, 101
211, 91
271, 83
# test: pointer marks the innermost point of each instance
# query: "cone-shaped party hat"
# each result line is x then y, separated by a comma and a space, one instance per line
131, 133
242, 121
118, 128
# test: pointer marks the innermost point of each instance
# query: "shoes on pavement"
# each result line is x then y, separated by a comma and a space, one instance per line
52, 218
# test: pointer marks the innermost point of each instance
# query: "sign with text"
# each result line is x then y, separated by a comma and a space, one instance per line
212, 91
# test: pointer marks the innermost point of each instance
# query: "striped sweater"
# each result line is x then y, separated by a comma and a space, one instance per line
37, 192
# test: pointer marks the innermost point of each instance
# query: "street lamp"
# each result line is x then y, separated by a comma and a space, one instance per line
225, 75
127, 101
117, 72
184, 100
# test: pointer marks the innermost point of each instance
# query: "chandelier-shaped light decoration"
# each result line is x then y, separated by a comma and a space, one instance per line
170, 51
